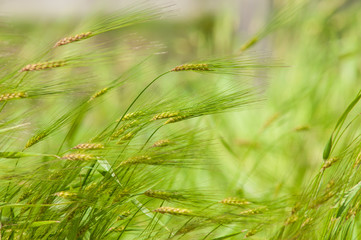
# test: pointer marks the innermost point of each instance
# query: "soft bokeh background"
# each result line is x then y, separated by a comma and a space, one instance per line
274, 145
269, 150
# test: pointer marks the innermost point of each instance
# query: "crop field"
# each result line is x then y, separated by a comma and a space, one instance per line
142, 122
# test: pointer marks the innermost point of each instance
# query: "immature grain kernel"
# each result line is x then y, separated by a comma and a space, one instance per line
71, 39
10, 96
89, 146
173, 211
42, 66
192, 67
79, 157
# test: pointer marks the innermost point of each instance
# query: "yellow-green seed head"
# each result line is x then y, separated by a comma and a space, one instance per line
42, 66
136, 160
98, 94
164, 115
71, 39
162, 194
234, 201
79, 157
10, 96
162, 143
192, 67
89, 146
173, 211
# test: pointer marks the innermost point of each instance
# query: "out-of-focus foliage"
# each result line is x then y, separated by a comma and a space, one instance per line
136, 133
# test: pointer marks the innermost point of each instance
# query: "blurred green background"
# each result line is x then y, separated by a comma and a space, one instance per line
273, 147
269, 150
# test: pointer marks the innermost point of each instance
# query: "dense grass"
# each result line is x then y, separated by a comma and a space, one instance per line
135, 133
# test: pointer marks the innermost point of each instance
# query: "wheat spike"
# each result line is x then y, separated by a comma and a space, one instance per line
42, 66
35, 139
291, 219
98, 94
121, 130
164, 115
89, 146
66, 195
192, 67
135, 160
175, 119
10, 96
71, 39
163, 194
252, 211
234, 201
173, 211
132, 115
162, 143
78, 156
329, 163
306, 222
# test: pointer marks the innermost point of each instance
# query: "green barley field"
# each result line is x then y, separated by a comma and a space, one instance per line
142, 122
